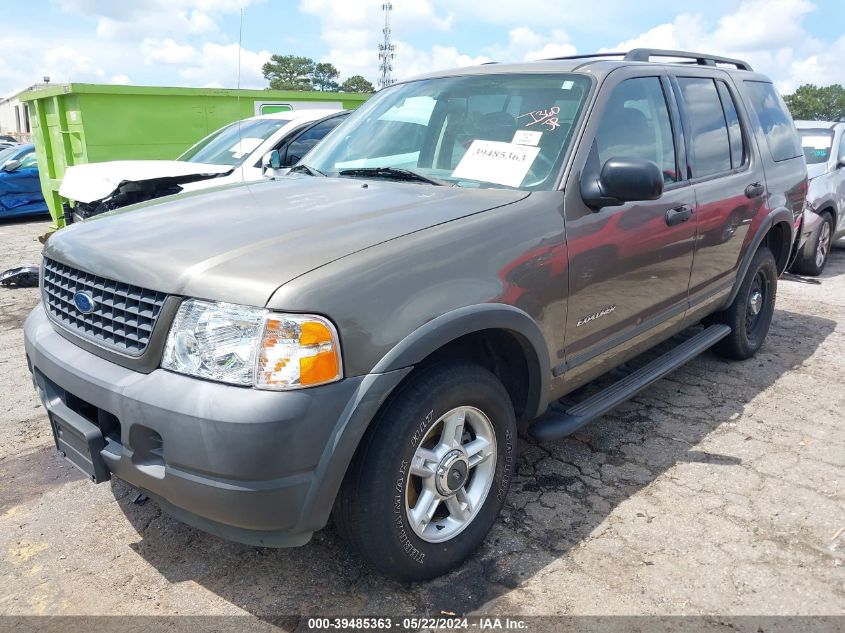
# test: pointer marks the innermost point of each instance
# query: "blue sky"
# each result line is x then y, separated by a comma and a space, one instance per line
194, 42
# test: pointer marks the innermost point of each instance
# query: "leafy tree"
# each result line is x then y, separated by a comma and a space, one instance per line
356, 83
289, 72
324, 76
814, 103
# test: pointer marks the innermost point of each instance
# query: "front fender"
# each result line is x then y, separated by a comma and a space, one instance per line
489, 316
395, 366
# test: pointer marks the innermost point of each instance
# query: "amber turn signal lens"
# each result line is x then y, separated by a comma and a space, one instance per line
314, 333
317, 369
298, 350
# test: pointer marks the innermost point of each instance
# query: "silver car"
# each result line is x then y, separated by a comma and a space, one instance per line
824, 150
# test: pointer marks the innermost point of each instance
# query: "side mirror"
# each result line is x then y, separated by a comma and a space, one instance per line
840, 162
271, 160
622, 180
12, 165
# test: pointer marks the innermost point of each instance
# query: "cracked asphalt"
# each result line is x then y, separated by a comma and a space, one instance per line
719, 490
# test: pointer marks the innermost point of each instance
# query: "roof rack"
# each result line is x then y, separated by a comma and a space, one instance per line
645, 55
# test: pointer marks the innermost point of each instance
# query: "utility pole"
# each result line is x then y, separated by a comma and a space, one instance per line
386, 50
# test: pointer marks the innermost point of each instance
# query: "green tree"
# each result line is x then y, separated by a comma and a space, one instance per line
289, 72
324, 76
356, 83
814, 103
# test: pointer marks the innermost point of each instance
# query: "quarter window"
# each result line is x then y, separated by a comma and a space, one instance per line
774, 118
711, 148
636, 124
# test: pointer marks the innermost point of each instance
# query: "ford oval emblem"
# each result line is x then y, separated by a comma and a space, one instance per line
84, 302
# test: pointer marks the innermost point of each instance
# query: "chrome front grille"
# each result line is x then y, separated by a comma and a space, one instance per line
122, 318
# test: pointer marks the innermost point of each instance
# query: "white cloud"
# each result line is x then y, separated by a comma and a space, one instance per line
139, 18
216, 66
781, 48
417, 62
525, 44
746, 29
187, 48
167, 51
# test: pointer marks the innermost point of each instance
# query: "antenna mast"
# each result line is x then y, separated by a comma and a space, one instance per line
386, 50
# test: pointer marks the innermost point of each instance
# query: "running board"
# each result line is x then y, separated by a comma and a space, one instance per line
556, 424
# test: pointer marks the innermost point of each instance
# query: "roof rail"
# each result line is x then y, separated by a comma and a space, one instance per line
645, 55
587, 56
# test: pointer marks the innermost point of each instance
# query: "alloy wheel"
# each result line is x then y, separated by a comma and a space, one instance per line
451, 473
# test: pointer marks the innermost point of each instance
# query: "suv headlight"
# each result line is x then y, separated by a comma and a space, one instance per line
248, 346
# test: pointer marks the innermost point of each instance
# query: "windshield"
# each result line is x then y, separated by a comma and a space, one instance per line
816, 143
503, 130
233, 144
6, 154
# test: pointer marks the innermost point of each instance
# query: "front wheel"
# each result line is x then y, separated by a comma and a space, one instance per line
813, 257
432, 472
750, 314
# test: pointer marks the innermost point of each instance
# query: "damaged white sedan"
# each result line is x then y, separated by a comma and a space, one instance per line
239, 152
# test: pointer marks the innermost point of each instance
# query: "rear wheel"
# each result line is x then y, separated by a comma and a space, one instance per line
813, 257
750, 314
430, 476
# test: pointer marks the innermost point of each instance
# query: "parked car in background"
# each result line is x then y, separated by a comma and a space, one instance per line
20, 187
823, 143
359, 337
7, 141
234, 153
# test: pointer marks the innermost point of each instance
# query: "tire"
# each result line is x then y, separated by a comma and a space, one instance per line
749, 328
385, 483
813, 257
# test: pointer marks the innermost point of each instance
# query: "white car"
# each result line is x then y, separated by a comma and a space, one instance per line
824, 150
234, 153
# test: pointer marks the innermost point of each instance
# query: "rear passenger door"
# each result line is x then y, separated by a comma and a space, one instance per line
728, 179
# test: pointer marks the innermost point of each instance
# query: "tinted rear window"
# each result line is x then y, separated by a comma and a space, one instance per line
774, 118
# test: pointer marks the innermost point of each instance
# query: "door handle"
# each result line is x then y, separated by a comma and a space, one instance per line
754, 190
678, 215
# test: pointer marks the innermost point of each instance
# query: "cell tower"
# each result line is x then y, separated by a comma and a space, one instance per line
386, 50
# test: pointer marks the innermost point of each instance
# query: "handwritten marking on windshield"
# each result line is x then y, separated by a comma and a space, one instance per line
546, 117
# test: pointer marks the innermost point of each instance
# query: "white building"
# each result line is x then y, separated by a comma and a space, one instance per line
14, 115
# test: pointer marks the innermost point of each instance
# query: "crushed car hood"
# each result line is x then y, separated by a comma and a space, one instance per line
239, 243
97, 181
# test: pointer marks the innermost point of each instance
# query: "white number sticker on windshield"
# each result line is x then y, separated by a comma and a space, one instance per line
817, 142
496, 162
527, 137
245, 146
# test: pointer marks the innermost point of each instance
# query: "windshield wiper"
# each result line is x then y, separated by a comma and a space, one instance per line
391, 173
305, 169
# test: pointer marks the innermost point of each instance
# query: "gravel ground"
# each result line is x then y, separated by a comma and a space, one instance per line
717, 491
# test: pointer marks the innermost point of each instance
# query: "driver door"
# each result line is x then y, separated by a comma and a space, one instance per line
629, 265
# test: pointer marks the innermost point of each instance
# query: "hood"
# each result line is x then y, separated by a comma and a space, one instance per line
96, 181
816, 170
239, 243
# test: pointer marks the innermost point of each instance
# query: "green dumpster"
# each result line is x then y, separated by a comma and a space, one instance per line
88, 123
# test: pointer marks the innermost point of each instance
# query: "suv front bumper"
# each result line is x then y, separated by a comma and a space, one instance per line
259, 467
